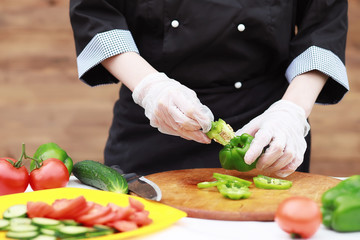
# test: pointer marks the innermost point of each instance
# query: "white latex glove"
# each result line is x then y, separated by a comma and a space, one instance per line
173, 108
283, 127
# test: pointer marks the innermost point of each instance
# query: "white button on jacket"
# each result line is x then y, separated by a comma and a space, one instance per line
238, 85
241, 27
175, 23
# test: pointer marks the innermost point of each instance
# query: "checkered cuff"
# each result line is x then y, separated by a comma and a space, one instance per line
316, 58
104, 45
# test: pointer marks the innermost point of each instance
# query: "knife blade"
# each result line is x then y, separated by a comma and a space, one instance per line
140, 185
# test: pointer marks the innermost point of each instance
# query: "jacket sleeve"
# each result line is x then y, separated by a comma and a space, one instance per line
319, 44
100, 31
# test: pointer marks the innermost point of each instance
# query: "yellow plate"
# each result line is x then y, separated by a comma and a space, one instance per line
162, 215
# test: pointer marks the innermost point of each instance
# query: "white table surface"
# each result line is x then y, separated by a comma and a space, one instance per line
199, 229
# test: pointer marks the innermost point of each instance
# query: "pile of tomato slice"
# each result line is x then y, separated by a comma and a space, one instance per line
90, 213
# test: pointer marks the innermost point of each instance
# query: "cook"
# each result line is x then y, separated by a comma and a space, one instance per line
260, 66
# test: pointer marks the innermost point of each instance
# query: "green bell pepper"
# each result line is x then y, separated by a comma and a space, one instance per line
266, 182
235, 147
230, 187
341, 206
232, 155
52, 150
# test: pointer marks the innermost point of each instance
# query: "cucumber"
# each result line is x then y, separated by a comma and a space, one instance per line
22, 235
50, 229
98, 233
55, 227
23, 228
72, 231
15, 211
70, 222
45, 222
100, 176
74, 238
4, 224
44, 237
48, 232
20, 221
99, 227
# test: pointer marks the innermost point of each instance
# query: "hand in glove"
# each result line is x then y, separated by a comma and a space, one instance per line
282, 127
173, 108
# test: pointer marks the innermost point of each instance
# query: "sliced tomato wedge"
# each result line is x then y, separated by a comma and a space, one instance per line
136, 204
123, 225
89, 206
122, 213
103, 220
113, 206
95, 212
90, 213
141, 218
67, 208
38, 209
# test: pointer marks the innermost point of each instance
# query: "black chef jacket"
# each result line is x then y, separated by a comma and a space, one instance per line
233, 53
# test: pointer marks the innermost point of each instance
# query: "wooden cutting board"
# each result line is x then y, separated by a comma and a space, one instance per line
179, 190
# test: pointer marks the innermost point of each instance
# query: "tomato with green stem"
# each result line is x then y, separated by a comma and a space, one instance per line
300, 216
14, 177
51, 173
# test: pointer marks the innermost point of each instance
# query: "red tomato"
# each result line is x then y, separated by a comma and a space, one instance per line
109, 217
299, 216
124, 225
12, 179
38, 209
141, 218
85, 210
96, 212
122, 213
52, 174
67, 208
90, 213
136, 204
114, 207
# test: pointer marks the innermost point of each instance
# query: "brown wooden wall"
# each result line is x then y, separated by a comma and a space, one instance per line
42, 100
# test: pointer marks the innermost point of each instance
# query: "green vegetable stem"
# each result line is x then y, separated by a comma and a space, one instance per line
221, 132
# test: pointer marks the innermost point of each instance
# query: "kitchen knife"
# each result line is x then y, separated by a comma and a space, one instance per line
140, 185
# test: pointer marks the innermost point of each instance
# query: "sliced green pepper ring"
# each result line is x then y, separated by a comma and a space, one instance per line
265, 182
229, 186
220, 176
234, 190
209, 184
